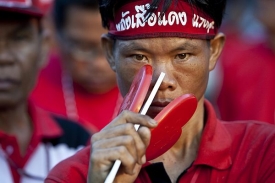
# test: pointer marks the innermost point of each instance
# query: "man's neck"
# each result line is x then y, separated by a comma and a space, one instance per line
191, 134
185, 151
14, 117
16, 121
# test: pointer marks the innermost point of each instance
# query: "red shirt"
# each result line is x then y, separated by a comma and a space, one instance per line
94, 110
242, 151
248, 87
46, 147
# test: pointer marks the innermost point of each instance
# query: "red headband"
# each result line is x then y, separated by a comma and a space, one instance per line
180, 20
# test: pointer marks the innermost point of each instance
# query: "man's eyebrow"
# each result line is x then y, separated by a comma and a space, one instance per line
132, 46
187, 46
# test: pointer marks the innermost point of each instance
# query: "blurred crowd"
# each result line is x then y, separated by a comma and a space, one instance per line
77, 82
242, 86
64, 90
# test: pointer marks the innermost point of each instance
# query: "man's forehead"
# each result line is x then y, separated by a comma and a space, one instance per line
164, 44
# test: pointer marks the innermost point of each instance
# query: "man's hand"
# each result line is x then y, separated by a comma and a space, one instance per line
119, 140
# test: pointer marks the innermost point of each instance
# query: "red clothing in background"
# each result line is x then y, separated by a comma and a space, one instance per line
94, 110
53, 139
248, 87
229, 152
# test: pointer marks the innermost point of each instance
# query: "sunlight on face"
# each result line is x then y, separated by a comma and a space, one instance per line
185, 62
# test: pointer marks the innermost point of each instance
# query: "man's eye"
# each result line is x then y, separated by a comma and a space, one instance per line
139, 57
182, 56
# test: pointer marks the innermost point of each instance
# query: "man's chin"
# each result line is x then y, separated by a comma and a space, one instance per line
99, 90
95, 88
8, 104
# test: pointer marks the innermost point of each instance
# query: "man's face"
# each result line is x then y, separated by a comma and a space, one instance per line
82, 52
20, 59
186, 63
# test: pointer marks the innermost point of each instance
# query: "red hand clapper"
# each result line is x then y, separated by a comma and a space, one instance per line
170, 120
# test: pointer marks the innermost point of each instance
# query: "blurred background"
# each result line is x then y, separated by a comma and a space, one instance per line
77, 82
242, 84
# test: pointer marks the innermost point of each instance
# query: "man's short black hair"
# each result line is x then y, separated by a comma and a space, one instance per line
60, 8
214, 8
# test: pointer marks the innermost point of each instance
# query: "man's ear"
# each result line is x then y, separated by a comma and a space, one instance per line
108, 48
216, 46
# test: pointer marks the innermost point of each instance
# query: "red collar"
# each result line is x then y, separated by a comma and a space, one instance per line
44, 126
215, 146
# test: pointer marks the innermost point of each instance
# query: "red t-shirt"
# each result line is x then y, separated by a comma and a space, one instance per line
248, 87
94, 110
242, 151
51, 142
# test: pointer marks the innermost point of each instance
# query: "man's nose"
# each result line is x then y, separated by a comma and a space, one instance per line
169, 82
6, 55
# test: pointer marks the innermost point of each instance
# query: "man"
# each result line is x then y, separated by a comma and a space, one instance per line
78, 82
185, 48
32, 141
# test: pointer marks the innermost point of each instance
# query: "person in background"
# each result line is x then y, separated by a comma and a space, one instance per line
235, 26
247, 90
208, 150
78, 81
32, 140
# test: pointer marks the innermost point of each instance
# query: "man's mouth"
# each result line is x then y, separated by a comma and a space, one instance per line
6, 84
156, 107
